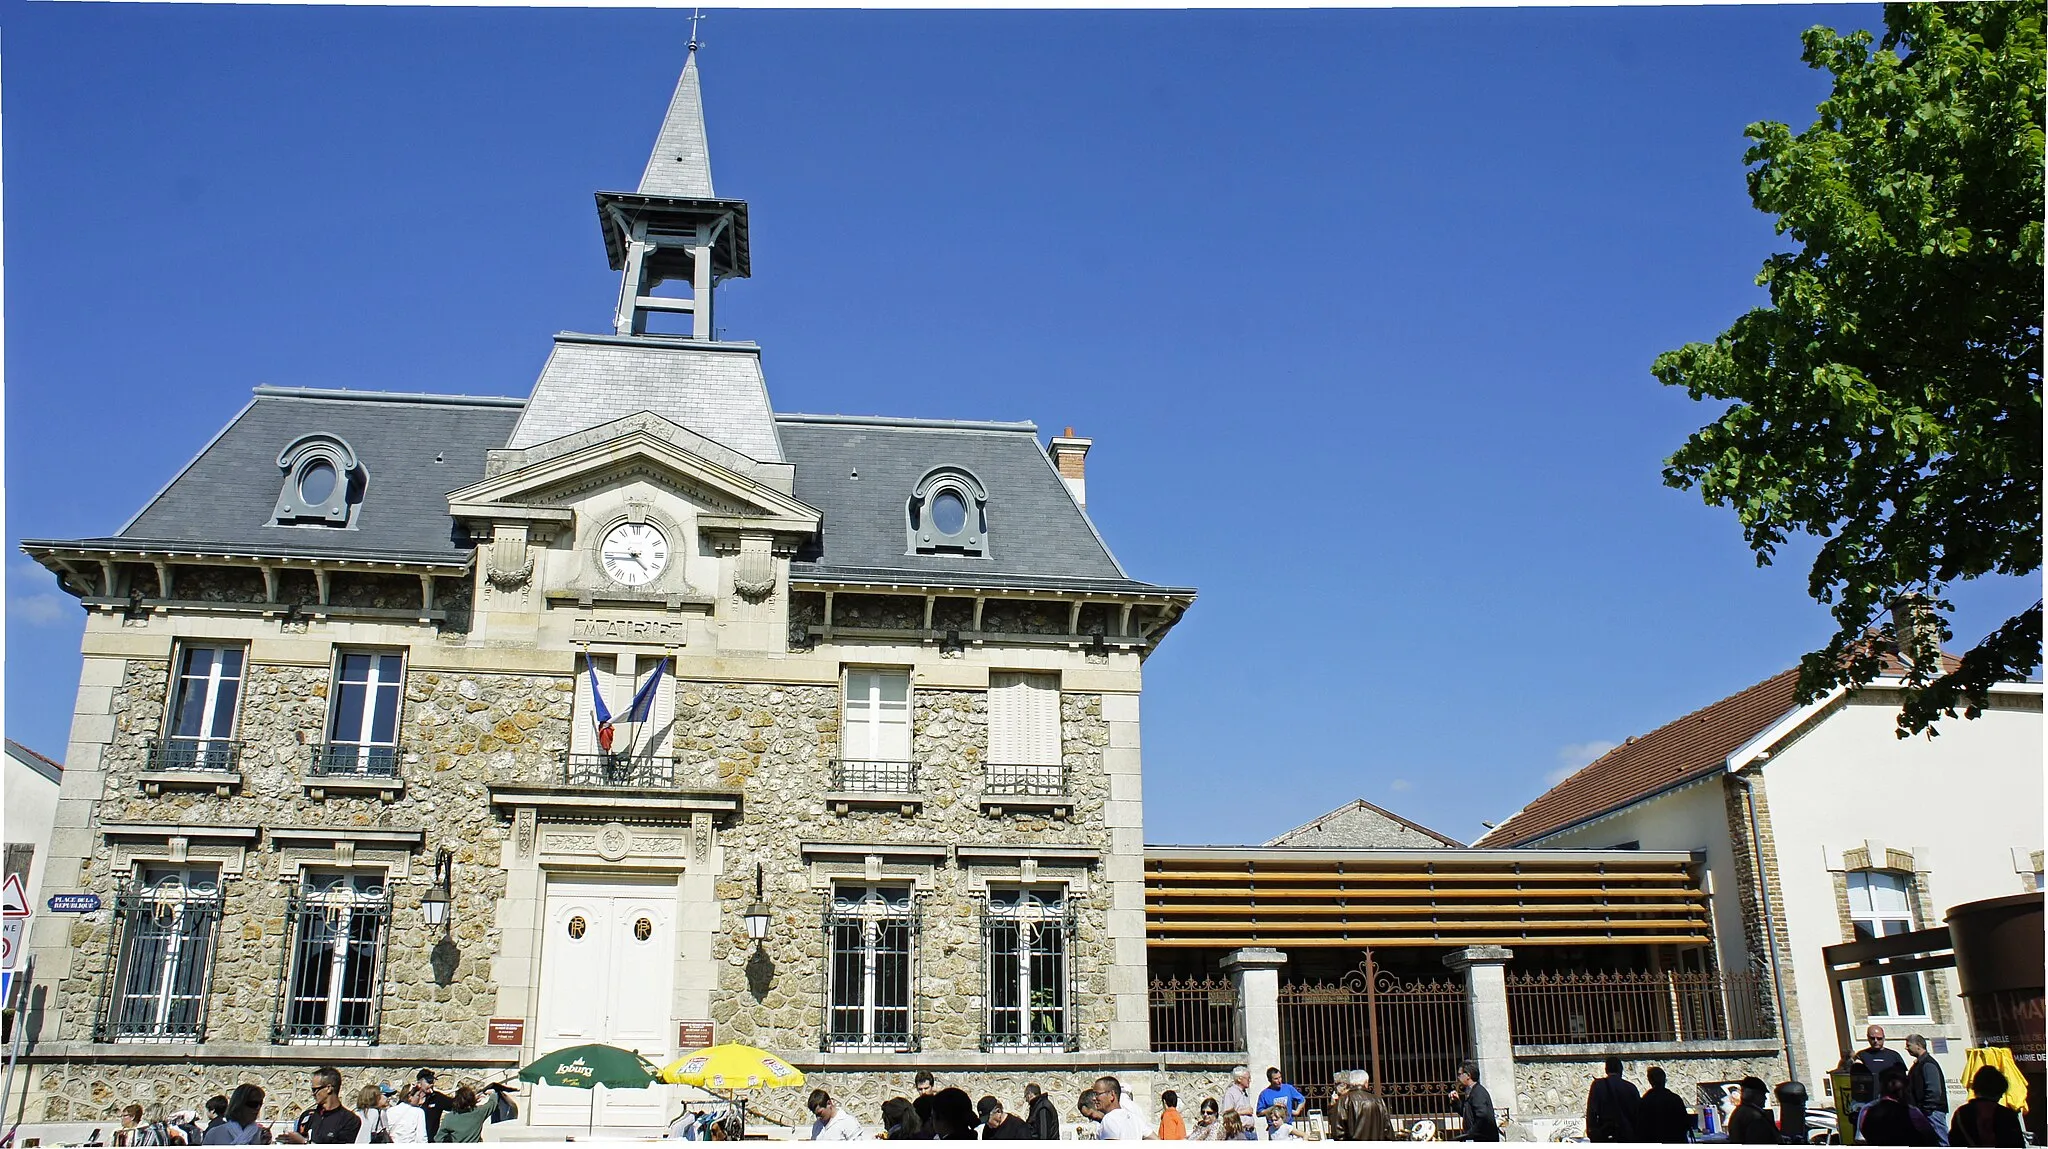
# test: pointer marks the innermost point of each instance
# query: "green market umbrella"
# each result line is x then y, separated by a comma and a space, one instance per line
589, 1066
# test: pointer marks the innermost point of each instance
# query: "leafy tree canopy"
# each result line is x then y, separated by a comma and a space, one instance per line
1888, 400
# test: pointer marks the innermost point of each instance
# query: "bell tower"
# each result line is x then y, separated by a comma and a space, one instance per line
674, 228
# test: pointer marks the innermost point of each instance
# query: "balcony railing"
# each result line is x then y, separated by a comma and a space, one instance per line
1007, 781
874, 776
210, 754
354, 760
1196, 1015
1581, 1008
617, 770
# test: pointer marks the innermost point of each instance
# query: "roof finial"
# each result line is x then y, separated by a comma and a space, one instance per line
696, 14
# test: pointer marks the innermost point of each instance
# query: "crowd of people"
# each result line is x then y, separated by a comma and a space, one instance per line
377, 1113
1354, 1113
1897, 1103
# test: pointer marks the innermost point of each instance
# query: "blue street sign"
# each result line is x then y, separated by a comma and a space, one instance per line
6, 987
74, 903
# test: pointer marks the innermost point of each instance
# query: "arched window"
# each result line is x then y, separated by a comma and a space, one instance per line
948, 514
323, 482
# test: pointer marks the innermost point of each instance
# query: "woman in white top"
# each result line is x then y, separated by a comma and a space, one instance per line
370, 1108
405, 1119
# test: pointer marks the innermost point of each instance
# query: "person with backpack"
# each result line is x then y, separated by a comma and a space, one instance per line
1612, 1106
375, 1127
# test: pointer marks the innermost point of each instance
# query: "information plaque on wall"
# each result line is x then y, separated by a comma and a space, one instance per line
506, 1031
695, 1035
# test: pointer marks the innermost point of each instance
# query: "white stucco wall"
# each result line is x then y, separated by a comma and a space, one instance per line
31, 802
1692, 818
1961, 804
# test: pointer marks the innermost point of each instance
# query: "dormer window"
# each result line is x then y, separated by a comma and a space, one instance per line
323, 482
948, 514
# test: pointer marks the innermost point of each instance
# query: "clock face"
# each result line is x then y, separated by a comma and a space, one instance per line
633, 554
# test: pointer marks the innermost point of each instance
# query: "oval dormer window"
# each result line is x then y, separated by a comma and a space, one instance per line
323, 483
316, 482
948, 514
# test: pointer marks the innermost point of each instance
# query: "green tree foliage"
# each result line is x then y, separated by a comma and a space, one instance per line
1888, 400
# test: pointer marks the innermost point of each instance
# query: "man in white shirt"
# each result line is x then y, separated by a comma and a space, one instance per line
406, 1121
1116, 1122
1239, 1095
833, 1123
1125, 1101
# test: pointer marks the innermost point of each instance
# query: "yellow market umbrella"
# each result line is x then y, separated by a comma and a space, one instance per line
731, 1067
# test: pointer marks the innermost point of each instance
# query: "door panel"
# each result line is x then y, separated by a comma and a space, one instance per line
603, 983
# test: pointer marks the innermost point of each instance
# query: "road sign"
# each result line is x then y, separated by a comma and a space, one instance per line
7, 988
74, 903
10, 940
13, 898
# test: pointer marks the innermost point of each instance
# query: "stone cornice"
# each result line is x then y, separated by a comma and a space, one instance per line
601, 804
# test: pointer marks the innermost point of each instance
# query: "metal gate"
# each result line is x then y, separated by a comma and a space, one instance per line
1410, 1035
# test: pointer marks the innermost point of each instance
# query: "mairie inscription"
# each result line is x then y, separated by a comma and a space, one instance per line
629, 630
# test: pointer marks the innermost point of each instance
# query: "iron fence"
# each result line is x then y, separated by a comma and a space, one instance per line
1009, 781
354, 760
331, 990
170, 754
155, 989
617, 770
1410, 1035
874, 776
1195, 1015
1597, 1008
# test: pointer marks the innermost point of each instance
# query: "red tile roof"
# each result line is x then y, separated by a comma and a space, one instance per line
1691, 747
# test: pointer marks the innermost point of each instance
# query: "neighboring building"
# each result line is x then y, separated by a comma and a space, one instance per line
1856, 832
350, 672
1361, 825
31, 788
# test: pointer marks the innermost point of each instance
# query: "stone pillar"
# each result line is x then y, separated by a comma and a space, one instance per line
1256, 973
1486, 993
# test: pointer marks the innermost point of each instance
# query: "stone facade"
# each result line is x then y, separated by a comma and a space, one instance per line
1551, 1081
1769, 948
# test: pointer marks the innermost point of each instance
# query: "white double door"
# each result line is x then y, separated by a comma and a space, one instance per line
607, 976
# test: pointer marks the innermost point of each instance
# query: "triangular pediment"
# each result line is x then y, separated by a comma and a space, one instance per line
731, 490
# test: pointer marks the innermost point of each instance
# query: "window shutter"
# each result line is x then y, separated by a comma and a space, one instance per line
660, 736
1023, 719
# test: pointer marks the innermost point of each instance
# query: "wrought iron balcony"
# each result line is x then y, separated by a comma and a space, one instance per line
353, 760
617, 770
215, 755
1007, 781
873, 776
1042, 1039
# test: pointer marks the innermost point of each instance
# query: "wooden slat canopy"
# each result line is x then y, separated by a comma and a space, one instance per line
1217, 897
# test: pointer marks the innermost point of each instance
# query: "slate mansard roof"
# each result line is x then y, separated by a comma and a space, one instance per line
414, 449
860, 472
418, 448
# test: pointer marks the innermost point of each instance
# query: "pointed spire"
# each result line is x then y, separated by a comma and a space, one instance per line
681, 163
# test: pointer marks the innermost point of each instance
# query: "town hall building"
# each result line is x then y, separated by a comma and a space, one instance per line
444, 731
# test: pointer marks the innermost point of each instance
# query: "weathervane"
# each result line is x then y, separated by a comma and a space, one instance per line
696, 14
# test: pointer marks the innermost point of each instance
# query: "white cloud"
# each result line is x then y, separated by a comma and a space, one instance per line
1572, 756
1401, 786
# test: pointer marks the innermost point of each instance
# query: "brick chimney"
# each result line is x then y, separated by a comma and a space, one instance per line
1070, 457
1916, 630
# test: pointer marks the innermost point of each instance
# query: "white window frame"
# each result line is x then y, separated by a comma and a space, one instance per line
872, 908
211, 686
334, 900
1043, 989
184, 895
1867, 921
363, 737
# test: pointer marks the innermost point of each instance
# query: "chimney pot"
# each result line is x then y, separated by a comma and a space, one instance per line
1070, 459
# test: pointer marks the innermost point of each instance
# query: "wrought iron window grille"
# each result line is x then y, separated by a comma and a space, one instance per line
869, 990
209, 754
330, 990
155, 989
1195, 1015
1014, 781
354, 760
1027, 973
607, 769
874, 776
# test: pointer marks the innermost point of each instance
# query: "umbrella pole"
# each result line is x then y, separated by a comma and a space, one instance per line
590, 1130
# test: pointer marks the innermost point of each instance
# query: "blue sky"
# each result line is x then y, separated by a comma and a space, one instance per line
1358, 307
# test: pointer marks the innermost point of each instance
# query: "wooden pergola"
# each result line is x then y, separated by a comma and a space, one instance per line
1227, 897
